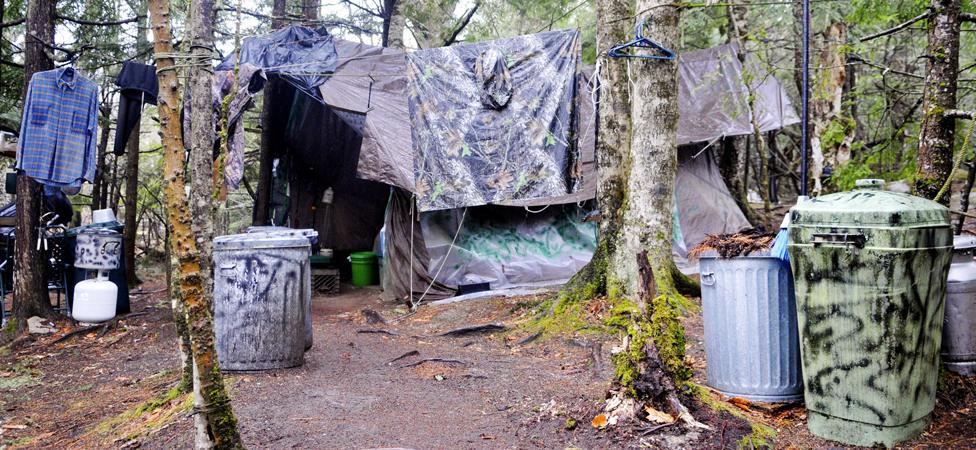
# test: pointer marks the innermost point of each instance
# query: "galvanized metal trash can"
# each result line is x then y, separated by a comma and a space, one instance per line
959, 327
751, 341
260, 308
870, 271
313, 237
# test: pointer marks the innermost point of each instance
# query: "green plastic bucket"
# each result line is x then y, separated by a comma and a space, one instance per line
364, 269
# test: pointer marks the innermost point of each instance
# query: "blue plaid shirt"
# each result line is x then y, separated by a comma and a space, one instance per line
57, 135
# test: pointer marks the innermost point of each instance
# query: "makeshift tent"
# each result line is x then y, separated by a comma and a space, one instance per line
364, 121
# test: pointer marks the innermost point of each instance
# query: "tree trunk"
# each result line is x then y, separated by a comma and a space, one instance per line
200, 85
30, 284
652, 362
130, 204
310, 11
831, 132
115, 192
105, 122
394, 23
132, 171
650, 191
265, 158
934, 159
213, 403
740, 186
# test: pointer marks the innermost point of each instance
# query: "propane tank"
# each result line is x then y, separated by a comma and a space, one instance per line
94, 300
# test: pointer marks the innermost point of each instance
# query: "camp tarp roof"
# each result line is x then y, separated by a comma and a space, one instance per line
712, 104
302, 56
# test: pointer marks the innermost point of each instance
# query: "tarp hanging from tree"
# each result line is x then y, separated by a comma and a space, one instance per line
302, 56
495, 121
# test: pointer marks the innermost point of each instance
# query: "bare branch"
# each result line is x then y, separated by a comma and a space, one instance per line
462, 24
11, 23
363, 8
95, 23
967, 17
899, 27
960, 114
11, 63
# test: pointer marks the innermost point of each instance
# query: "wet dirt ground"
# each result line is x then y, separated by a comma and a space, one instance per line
379, 385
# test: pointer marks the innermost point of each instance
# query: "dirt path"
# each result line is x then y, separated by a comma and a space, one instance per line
373, 389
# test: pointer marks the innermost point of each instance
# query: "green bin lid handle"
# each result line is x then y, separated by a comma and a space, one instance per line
870, 183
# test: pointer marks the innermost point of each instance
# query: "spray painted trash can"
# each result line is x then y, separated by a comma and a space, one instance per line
751, 341
260, 301
870, 271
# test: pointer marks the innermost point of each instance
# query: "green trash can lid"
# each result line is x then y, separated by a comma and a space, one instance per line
869, 208
365, 257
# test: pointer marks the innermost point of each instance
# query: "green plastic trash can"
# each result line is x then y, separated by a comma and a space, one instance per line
870, 271
365, 271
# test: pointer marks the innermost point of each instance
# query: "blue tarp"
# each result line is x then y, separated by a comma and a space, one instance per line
302, 56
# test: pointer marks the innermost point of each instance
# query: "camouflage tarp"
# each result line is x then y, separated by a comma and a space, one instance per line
495, 121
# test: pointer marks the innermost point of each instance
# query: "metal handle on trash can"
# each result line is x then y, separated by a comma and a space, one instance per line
855, 239
708, 278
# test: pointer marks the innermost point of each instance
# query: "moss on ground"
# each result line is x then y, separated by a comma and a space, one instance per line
140, 420
762, 435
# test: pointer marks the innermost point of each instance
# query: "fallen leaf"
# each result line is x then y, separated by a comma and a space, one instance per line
439, 377
599, 422
741, 403
658, 416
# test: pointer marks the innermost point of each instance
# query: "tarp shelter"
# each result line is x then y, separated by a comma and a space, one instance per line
363, 122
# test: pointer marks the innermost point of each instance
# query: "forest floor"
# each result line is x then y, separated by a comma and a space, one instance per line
366, 385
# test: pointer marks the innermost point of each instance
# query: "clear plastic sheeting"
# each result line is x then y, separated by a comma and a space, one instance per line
713, 99
508, 247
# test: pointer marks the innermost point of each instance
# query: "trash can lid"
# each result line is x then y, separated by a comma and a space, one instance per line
964, 242
871, 208
259, 240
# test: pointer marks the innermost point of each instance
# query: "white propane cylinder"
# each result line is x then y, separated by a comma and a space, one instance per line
94, 300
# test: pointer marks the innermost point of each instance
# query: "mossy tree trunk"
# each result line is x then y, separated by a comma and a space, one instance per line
637, 165
934, 158
213, 406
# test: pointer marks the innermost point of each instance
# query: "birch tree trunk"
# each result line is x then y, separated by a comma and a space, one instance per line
213, 405
934, 159
30, 286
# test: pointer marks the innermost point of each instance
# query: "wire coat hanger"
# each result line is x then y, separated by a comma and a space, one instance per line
641, 41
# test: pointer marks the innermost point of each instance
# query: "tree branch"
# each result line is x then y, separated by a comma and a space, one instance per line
11, 63
967, 17
95, 23
960, 114
899, 27
11, 23
462, 24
